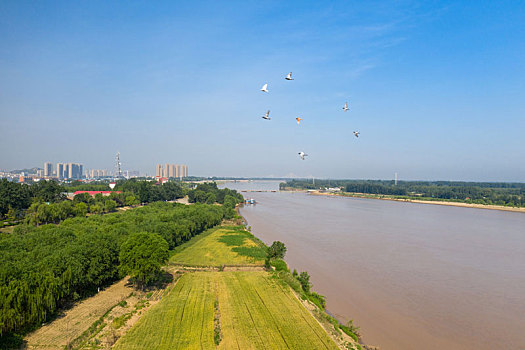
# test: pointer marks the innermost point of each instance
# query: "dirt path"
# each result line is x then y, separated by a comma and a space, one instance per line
57, 334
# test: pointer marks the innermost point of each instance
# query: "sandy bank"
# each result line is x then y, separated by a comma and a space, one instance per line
454, 204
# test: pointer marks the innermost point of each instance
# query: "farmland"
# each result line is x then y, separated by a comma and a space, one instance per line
255, 311
62, 331
226, 245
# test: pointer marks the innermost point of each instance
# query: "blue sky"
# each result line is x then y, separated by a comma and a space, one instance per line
437, 89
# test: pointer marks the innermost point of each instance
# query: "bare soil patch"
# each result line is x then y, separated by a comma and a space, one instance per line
69, 326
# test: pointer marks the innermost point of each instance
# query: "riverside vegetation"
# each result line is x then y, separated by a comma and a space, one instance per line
45, 202
45, 268
227, 299
485, 193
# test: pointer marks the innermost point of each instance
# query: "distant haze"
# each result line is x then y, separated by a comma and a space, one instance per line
436, 90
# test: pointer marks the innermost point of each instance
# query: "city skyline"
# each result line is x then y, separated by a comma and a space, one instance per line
434, 91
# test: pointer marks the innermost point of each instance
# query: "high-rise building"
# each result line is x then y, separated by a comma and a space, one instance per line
171, 170
94, 173
60, 170
70, 170
74, 171
48, 169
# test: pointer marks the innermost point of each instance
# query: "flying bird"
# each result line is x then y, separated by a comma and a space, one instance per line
266, 116
264, 88
345, 108
289, 76
298, 120
302, 155
356, 133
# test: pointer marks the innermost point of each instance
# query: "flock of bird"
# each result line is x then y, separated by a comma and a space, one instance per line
266, 116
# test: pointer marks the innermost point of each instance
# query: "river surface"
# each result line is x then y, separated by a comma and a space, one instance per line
412, 276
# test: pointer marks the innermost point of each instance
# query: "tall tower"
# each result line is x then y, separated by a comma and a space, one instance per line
48, 169
66, 170
60, 170
118, 171
395, 179
158, 172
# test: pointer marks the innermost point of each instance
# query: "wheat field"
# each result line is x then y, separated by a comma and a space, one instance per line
255, 311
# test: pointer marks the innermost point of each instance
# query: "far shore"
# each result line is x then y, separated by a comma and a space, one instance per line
384, 197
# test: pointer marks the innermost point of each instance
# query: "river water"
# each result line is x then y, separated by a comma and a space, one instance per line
412, 276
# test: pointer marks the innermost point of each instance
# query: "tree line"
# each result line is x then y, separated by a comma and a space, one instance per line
209, 193
45, 267
45, 201
496, 193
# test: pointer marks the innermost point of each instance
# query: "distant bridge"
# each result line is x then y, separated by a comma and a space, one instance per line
259, 191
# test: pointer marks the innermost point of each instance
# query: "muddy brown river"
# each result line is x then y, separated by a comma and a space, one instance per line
412, 276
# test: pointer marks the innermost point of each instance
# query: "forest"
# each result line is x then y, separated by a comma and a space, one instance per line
45, 201
209, 193
45, 267
495, 193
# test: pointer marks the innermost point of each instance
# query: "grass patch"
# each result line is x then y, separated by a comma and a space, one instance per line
217, 334
225, 245
121, 320
233, 239
280, 265
253, 252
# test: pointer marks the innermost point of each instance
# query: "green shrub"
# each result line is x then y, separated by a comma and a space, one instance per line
287, 278
121, 320
280, 265
317, 299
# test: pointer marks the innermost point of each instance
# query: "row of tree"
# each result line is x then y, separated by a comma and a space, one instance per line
17, 198
509, 194
45, 266
209, 193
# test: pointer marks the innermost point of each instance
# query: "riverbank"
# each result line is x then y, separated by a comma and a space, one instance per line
252, 308
435, 202
404, 272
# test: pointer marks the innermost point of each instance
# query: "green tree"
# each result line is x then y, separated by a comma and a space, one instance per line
229, 202
81, 209
110, 206
304, 279
142, 255
48, 191
131, 200
95, 209
11, 214
13, 195
211, 198
83, 197
277, 250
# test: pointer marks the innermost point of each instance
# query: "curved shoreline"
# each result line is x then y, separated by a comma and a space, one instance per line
453, 204
310, 308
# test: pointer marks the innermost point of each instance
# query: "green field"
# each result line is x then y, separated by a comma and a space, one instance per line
255, 310
226, 245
